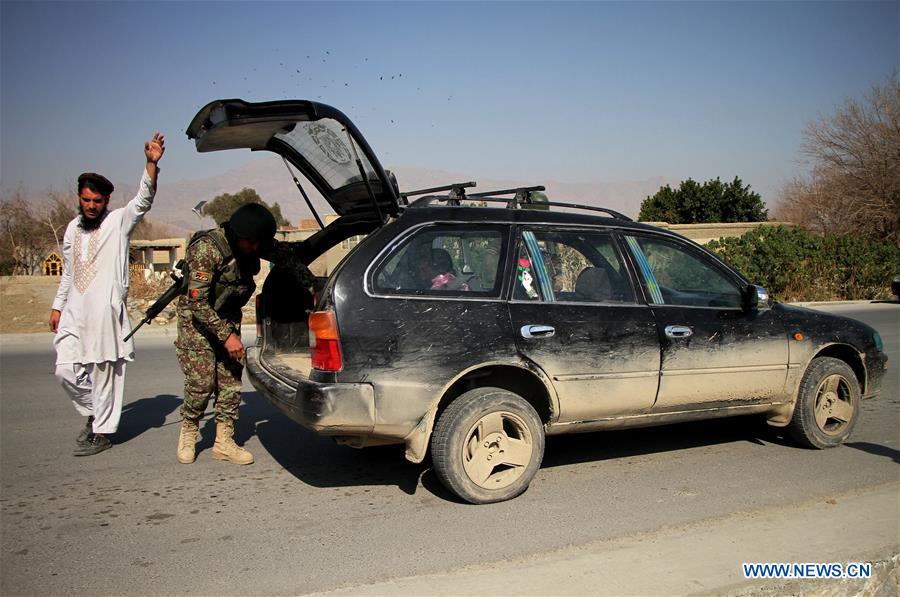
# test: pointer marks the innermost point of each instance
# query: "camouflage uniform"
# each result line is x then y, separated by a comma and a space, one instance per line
220, 284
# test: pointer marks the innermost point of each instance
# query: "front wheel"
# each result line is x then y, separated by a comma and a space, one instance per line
827, 405
487, 445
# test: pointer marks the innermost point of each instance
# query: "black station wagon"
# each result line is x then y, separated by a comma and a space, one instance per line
476, 324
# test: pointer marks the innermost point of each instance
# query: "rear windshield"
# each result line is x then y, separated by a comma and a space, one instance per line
446, 261
326, 146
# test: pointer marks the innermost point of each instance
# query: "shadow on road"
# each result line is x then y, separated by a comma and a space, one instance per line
607, 445
320, 462
876, 449
144, 414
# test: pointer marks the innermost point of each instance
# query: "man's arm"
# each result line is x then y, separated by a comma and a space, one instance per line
154, 150
143, 201
203, 259
65, 281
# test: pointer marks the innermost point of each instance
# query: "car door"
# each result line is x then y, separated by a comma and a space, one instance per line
574, 314
715, 352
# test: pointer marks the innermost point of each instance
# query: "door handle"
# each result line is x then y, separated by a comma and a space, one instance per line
679, 331
537, 331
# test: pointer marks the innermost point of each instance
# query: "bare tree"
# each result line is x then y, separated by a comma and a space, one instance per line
22, 242
28, 231
854, 182
55, 214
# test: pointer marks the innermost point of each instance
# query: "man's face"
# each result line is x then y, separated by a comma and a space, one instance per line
248, 246
93, 206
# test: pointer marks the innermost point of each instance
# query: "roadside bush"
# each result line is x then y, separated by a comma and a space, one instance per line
795, 265
143, 292
712, 201
147, 288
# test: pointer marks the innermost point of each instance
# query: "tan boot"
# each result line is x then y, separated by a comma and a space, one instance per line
226, 449
186, 442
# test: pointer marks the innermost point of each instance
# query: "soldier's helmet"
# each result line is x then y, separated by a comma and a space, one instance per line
253, 222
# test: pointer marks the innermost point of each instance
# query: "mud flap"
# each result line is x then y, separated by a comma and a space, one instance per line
781, 416
417, 440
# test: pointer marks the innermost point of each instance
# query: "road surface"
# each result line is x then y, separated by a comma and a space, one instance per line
660, 510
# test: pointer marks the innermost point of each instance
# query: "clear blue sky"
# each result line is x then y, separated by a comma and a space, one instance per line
537, 91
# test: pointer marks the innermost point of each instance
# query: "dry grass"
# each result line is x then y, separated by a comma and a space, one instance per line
147, 289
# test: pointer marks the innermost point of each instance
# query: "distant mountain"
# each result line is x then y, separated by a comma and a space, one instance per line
273, 183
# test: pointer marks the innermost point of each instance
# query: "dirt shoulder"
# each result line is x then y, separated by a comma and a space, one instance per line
25, 303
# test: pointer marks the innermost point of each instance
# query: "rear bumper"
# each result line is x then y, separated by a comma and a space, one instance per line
328, 409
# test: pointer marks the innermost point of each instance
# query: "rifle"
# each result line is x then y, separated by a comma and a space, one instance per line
178, 287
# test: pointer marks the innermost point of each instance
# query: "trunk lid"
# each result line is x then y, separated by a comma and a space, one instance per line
315, 138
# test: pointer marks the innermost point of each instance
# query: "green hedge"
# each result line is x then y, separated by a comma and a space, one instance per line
794, 265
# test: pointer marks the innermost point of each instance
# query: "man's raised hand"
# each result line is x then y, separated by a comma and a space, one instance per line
155, 148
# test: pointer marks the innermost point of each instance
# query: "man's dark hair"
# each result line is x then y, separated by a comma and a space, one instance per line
95, 182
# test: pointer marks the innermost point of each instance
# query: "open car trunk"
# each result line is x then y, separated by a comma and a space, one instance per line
330, 152
284, 304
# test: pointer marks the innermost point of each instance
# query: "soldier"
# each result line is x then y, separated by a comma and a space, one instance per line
221, 264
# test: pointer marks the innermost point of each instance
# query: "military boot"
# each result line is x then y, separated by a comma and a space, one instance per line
225, 448
187, 441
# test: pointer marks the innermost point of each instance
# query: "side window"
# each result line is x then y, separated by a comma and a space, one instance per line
674, 275
526, 287
445, 261
572, 266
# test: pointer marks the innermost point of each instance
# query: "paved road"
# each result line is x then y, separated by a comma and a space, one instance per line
313, 516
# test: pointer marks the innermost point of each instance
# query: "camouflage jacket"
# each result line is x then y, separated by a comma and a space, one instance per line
220, 284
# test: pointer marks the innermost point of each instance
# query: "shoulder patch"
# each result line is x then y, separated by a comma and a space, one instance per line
201, 276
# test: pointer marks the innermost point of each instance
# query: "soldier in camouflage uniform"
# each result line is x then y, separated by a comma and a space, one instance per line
221, 265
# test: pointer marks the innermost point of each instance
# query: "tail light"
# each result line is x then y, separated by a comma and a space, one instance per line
324, 341
258, 304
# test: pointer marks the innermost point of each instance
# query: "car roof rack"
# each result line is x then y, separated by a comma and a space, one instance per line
457, 192
522, 197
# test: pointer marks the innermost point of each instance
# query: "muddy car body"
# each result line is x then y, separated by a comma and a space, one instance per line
473, 332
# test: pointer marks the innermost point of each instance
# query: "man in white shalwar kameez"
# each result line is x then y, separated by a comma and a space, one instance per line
89, 315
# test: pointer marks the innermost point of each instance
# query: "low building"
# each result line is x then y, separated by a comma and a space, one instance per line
52, 264
324, 265
156, 256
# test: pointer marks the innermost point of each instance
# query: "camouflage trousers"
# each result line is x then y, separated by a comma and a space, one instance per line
205, 374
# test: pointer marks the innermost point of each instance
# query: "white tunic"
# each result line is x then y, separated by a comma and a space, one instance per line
93, 288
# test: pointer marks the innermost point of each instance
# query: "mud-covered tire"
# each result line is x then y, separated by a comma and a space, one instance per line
487, 445
827, 404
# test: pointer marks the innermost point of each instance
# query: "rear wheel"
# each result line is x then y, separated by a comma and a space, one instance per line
827, 404
487, 445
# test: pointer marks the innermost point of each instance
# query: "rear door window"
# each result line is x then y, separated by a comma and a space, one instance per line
582, 266
445, 261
